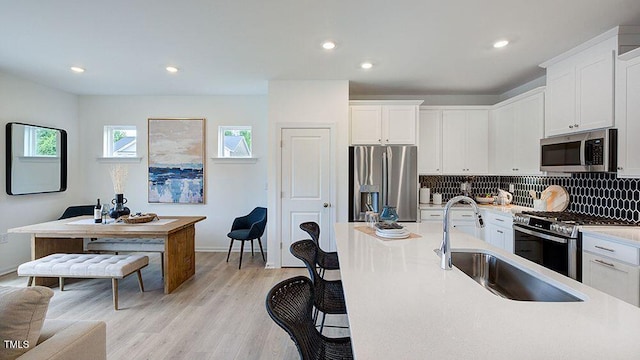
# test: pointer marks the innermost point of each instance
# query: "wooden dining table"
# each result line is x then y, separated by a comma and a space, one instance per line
66, 236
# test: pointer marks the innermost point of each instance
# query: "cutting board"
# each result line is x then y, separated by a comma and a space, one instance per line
558, 199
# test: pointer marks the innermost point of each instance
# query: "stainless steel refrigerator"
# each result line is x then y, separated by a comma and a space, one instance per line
383, 175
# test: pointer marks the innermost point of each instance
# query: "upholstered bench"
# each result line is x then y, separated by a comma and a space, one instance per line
126, 245
86, 266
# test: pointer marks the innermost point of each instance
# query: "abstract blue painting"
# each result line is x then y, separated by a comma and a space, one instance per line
176, 161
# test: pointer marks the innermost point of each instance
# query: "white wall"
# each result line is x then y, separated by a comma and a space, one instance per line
310, 102
231, 190
27, 102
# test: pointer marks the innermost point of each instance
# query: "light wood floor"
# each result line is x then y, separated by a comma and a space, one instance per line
218, 314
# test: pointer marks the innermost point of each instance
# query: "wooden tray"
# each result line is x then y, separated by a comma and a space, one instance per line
138, 219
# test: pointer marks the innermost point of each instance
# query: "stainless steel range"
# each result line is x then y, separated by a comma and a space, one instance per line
552, 239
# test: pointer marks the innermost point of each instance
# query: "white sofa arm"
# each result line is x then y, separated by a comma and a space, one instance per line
70, 340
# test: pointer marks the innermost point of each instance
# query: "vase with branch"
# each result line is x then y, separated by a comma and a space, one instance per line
118, 174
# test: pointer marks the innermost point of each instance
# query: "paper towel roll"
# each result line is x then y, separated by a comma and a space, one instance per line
425, 195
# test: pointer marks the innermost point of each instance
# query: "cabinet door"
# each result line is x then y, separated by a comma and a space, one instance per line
453, 141
501, 140
560, 101
628, 117
528, 130
594, 81
495, 236
477, 142
430, 145
399, 124
612, 277
366, 124
467, 227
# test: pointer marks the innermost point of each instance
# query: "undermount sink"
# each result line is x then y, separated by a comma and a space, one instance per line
506, 280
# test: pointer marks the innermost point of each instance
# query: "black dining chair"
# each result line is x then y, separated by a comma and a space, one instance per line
326, 260
77, 210
329, 295
248, 228
289, 304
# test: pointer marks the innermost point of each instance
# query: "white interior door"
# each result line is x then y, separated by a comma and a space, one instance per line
306, 189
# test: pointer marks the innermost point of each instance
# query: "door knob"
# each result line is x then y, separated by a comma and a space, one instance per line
326, 205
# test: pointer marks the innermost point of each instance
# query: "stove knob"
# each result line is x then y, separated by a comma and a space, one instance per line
554, 227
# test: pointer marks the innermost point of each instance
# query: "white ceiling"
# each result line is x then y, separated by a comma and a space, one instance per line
418, 47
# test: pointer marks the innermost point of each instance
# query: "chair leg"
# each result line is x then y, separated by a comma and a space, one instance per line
230, 246
114, 286
262, 252
162, 263
322, 325
61, 283
140, 281
251, 247
241, 251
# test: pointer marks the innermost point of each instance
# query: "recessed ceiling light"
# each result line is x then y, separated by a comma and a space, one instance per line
172, 69
329, 45
366, 65
77, 69
500, 44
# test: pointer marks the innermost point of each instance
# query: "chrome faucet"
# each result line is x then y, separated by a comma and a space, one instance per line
445, 247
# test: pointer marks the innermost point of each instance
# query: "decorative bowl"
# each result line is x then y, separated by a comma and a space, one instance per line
485, 200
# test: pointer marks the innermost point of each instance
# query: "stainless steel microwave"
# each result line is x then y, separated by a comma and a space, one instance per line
594, 151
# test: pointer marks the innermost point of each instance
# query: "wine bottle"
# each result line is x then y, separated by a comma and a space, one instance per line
97, 213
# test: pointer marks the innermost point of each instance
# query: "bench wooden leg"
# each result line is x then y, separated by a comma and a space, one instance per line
140, 281
162, 263
61, 283
114, 285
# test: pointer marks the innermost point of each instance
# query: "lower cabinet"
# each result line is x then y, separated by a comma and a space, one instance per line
612, 268
498, 231
462, 219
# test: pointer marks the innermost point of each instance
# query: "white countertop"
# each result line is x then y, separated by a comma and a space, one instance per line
625, 234
401, 305
506, 209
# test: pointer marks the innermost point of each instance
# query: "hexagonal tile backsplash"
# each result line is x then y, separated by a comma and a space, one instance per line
600, 194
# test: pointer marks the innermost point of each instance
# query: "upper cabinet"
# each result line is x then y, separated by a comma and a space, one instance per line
515, 130
465, 141
580, 83
383, 122
430, 142
628, 115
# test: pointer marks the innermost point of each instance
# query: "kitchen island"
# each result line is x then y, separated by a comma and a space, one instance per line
402, 305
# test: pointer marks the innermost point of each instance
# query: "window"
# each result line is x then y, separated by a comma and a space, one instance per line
40, 142
119, 141
234, 141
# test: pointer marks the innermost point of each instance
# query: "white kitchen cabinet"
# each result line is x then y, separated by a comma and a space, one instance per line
430, 142
628, 116
460, 218
580, 84
515, 130
465, 141
611, 267
435, 214
498, 231
383, 123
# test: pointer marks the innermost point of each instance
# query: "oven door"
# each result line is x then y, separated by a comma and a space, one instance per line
549, 250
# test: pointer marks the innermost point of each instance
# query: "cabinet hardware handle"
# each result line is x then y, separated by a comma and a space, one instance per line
463, 215
576, 125
604, 248
387, 140
325, 205
434, 215
604, 263
500, 231
379, 140
619, 167
570, 126
500, 220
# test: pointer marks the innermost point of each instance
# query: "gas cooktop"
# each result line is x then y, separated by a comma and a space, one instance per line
575, 218
565, 224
